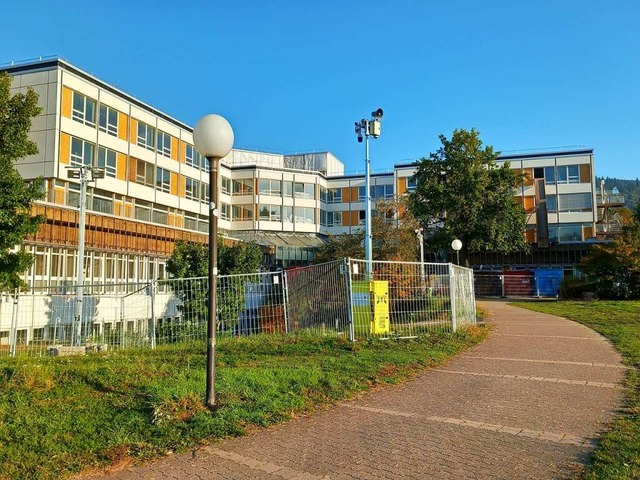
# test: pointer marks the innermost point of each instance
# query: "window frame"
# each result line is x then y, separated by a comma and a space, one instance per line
163, 180
163, 143
80, 115
108, 127
143, 140
87, 154
110, 168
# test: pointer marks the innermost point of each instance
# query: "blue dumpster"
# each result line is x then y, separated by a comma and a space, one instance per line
547, 281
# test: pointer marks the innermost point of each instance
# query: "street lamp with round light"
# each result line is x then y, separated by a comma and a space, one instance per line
213, 138
457, 245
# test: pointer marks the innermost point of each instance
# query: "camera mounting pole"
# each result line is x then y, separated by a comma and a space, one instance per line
365, 129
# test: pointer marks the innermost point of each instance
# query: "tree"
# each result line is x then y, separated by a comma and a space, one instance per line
393, 231
614, 268
16, 196
462, 193
191, 260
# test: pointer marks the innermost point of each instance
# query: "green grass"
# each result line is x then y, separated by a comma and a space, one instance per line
618, 453
60, 416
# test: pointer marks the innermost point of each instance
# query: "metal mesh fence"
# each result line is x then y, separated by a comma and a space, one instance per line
317, 298
336, 298
420, 297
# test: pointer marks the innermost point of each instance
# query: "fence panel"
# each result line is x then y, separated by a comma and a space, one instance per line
463, 295
418, 298
317, 299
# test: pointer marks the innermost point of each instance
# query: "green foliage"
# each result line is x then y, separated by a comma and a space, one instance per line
60, 416
190, 260
573, 288
614, 267
618, 453
462, 193
393, 232
16, 196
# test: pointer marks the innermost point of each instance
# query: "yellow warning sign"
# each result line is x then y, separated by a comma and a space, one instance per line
380, 300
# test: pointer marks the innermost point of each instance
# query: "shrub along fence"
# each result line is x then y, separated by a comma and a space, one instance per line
396, 299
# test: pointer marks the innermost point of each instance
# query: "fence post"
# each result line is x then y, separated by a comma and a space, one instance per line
152, 294
13, 333
349, 298
472, 283
452, 295
285, 300
122, 322
503, 295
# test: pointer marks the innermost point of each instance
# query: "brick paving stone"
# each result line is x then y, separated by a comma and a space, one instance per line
527, 403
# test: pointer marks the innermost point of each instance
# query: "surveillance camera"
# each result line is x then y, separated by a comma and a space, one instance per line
359, 138
377, 113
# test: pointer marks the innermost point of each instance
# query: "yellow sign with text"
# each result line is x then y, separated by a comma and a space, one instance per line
380, 293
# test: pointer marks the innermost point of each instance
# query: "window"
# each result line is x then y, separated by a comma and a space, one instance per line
190, 222
242, 212
549, 175
552, 203
84, 109
568, 232
568, 174
192, 189
361, 194
270, 187
288, 189
412, 184
330, 219
204, 192
108, 120
142, 210
160, 215
107, 160
190, 157
361, 217
303, 190
323, 214
203, 161
287, 214
243, 186
564, 174
270, 212
334, 195
225, 211
226, 185
144, 173
163, 180
304, 215
382, 191
575, 202
73, 195
146, 135
164, 143
81, 152
102, 201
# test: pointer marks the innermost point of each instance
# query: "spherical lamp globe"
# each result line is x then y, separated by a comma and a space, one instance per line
213, 136
456, 245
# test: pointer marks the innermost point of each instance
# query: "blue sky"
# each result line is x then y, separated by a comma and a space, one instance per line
295, 75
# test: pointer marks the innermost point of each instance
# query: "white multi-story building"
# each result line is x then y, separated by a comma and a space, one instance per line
155, 190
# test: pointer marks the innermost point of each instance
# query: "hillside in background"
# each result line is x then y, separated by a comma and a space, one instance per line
629, 188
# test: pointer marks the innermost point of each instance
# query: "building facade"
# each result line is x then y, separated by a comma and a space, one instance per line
155, 188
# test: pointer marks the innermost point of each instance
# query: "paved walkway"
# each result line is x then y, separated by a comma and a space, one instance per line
527, 403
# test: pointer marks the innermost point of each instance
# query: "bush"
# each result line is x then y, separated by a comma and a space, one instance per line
573, 288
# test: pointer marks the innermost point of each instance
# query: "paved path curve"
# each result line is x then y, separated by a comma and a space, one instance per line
526, 403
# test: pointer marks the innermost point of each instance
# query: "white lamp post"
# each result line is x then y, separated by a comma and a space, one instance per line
457, 245
213, 138
368, 128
